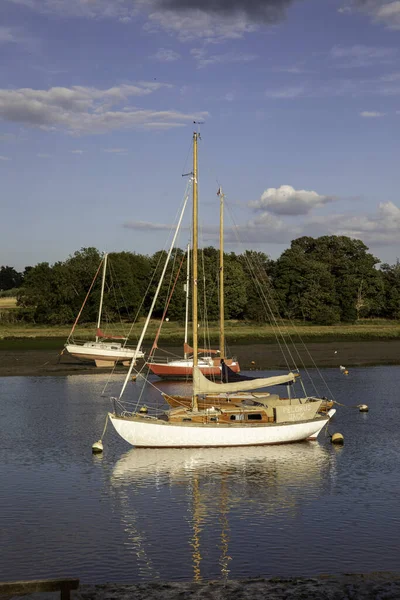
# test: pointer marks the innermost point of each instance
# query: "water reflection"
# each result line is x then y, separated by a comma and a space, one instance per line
222, 491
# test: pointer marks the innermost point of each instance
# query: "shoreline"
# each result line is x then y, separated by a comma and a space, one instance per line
17, 361
347, 586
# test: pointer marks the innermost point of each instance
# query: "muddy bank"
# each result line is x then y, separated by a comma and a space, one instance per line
39, 362
326, 587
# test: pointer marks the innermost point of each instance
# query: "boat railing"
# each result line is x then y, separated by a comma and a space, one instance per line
82, 342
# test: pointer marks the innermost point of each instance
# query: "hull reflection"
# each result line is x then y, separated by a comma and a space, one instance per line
300, 461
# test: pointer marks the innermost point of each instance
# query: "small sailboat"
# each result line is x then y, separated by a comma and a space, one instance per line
214, 427
105, 350
209, 360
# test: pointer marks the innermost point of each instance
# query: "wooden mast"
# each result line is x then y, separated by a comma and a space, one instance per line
221, 276
194, 266
103, 280
187, 290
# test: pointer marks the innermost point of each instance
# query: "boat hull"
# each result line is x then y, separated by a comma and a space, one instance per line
155, 433
102, 354
183, 369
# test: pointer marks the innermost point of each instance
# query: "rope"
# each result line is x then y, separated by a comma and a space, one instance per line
105, 427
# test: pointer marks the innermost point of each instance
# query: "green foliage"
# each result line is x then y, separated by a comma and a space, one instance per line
323, 280
9, 278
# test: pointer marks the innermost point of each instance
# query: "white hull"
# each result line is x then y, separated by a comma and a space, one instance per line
103, 352
154, 433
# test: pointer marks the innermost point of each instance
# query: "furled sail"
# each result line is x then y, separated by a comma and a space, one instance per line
189, 350
100, 334
229, 376
201, 385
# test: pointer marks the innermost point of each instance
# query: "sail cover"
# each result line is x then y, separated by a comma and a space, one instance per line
100, 334
229, 376
201, 385
188, 350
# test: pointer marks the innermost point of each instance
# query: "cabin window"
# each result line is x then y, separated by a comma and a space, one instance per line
114, 347
254, 417
238, 417
186, 419
214, 419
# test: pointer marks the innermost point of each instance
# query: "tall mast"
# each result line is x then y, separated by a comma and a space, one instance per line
221, 275
187, 298
194, 263
103, 280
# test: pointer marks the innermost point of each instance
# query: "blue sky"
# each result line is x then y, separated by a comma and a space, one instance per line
300, 101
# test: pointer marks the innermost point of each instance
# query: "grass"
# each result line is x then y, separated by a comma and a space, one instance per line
25, 335
7, 303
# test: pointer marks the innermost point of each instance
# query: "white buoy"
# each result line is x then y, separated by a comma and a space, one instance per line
97, 447
363, 407
342, 368
337, 438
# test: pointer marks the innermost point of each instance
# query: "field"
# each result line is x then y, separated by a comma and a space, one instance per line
236, 332
7, 303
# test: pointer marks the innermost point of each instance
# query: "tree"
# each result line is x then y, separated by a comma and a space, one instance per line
9, 278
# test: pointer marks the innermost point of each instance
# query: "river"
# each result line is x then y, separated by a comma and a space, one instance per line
136, 515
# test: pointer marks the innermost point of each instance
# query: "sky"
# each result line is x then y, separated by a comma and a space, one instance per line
299, 105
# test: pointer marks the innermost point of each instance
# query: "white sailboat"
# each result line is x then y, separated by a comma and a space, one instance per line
105, 350
214, 427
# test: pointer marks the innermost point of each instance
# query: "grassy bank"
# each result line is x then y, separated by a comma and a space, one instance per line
36, 336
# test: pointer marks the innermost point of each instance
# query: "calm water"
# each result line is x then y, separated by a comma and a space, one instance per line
134, 515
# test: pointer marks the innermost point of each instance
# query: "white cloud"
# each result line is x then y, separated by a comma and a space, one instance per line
265, 229
204, 59
122, 10
8, 35
4, 158
362, 56
354, 87
84, 110
17, 36
369, 114
379, 229
166, 55
288, 201
198, 25
382, 11
287, 92
147, 226
76, 151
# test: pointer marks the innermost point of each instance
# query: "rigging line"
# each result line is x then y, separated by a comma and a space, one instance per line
84, 302
133, 362
114, 277
274, 321
112, 287
185, 198
270, 314
273, 302
291, 340
166, 308
187, 156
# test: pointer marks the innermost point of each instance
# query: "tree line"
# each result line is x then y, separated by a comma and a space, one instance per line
325, 280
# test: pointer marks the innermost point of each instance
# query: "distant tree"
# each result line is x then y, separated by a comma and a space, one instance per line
390, 275
9, 278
